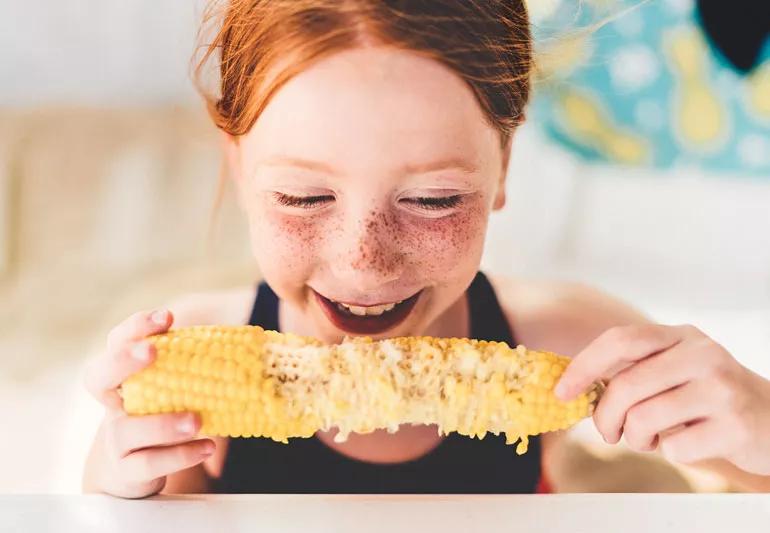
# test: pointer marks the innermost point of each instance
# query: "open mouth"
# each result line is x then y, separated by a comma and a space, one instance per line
369, 320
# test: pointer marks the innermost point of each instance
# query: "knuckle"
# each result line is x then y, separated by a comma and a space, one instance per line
607, 420
143, 466
690, 330
636, 431
143, 347
618, 388
112, 400
742, 432
134, 324
602, 414
166, 426
89, 381
711, 352
622, 384
601, 418
676, 449
636, 442
706, 344
718, 367
158, 429
183, 456
670, 449
635, 420
112, 337
113, 431
722, 388
139, 318
617, 335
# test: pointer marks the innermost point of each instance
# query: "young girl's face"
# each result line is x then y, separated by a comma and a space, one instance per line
368, 180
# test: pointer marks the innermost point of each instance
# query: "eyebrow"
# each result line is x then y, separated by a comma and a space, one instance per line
451, 163
288, 161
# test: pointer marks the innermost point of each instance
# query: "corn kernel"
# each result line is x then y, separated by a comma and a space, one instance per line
251, 382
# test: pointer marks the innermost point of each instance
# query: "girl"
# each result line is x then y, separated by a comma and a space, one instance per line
368, 142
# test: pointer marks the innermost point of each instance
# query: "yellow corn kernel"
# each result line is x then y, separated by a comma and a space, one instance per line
245, 381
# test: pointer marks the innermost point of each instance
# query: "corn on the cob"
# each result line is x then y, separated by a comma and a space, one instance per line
246, 381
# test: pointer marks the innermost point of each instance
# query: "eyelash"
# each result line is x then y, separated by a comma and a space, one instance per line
301, 201
438, 202
431, 203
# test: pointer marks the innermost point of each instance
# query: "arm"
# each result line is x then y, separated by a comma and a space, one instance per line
675, 391
580, 315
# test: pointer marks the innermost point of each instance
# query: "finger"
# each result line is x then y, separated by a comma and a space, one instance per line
660, 414
124, 355
151, 463
615, 346
108, 371
698, 441
645, 379
131, 433
138, 326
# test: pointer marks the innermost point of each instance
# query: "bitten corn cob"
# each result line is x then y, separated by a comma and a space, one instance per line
246, 381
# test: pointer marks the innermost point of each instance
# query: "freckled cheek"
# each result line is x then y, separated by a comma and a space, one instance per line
284, 245
452, 243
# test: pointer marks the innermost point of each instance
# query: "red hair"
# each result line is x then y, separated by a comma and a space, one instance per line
258, 45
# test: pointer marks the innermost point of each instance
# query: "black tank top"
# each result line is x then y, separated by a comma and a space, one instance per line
458, 464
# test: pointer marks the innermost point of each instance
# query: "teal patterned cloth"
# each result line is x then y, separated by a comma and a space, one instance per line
649, 89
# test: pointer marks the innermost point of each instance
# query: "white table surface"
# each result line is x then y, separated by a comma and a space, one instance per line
573, 513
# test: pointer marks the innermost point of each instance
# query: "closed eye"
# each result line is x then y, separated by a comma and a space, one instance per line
435, 203
302, 201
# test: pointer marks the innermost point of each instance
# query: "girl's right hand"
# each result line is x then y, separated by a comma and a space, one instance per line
136, 453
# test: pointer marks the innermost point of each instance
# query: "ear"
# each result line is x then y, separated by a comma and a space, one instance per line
231, 164
499, 202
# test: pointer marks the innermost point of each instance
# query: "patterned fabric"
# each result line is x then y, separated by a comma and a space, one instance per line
648, 88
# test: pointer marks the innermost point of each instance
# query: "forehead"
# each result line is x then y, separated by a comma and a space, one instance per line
370, 105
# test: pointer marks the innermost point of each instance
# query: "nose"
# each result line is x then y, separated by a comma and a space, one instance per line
368, 255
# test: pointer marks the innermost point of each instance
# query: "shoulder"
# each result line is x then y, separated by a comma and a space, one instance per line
560, 316
226, 307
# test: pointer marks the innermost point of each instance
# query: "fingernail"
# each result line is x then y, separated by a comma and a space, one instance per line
207, 448
159, 317
141, 351
186, 426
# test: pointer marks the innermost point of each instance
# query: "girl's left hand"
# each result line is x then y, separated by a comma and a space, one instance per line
674, 387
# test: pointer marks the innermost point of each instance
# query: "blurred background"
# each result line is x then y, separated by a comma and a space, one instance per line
644, 169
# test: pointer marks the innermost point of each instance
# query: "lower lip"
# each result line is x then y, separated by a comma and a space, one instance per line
366, 325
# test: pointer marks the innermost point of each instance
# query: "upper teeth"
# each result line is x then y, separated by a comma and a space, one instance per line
371, 310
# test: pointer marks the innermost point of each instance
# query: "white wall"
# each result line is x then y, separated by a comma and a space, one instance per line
681, 234
681, 246
98, 52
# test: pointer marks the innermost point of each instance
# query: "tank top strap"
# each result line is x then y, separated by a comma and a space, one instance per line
264, 313
487, 319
